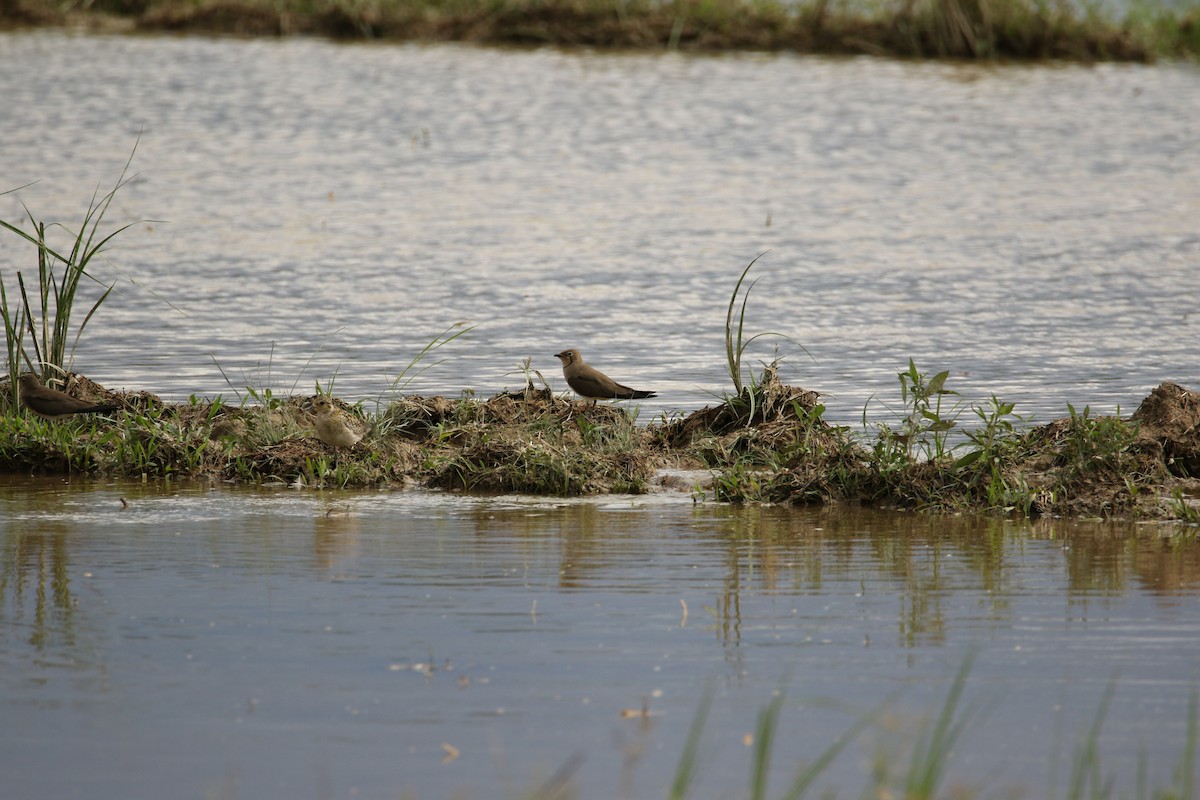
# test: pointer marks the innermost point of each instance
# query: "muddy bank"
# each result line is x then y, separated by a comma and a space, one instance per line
769, 444
1012, 29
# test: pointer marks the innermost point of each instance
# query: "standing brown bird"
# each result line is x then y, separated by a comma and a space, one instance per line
592, 384
331, 425
53, 404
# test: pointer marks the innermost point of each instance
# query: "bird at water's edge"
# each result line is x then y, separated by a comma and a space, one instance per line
331, 425
53, 404
592, 384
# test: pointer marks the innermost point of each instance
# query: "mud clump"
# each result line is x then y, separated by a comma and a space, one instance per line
769, 443
533, 441
768, 404
416, 417
1170, 416
138, 402
1108, 466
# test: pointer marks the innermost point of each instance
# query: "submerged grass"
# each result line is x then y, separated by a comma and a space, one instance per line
988, 29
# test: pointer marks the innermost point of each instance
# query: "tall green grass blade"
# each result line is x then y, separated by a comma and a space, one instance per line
764, 737
932, 751
226, 377
407, 376
806, 776
685, 772
1185, 770
1086, 768
50, 326
734, 350
14, 335
736, 344
87, 318
38, 360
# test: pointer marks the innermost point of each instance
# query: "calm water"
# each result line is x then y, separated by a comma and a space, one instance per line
327, 210
324, 210
278, 644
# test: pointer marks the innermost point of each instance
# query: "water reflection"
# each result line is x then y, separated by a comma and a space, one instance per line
335, 536
589, 540
35, 571
1166, 567
1153, 560
542, 615
620, 547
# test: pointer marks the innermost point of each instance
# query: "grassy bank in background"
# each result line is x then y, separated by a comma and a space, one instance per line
973, 29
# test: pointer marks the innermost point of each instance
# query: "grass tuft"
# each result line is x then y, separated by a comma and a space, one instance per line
48, 318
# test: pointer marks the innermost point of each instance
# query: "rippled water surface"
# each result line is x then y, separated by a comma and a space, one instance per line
280, 644
327, 210
320, 210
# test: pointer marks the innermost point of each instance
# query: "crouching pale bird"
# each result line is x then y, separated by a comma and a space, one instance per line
331, 425
53, 404
592, 384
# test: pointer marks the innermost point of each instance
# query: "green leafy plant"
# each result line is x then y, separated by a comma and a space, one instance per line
993, 447
924, 425
933, 746
1096, 442
527, 372
999, 438
927, 768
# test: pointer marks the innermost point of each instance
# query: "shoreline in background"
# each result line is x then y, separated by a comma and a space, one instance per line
951, 29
